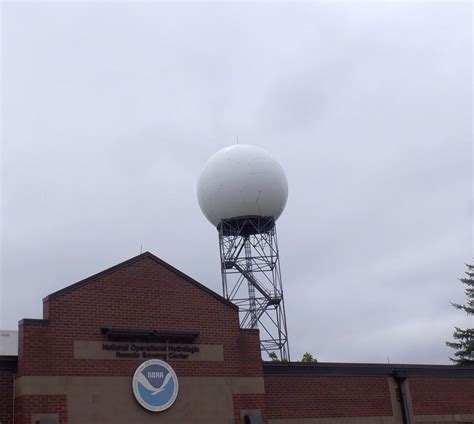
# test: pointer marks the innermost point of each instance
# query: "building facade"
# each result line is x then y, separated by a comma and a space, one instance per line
78, 364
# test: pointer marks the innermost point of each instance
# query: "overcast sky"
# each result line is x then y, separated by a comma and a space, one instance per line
110, 111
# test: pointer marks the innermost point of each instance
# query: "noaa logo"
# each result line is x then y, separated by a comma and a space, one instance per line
155, 385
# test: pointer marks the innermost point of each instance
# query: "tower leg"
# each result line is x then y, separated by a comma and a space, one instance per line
251, 278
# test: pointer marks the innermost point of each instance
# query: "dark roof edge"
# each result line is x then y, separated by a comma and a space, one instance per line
33, 321
8, 363
129, 262
347, 369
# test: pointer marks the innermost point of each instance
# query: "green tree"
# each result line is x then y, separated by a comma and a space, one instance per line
274, 357
464, 339
308, 357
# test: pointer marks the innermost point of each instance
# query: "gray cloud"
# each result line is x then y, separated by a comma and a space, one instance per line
111, 109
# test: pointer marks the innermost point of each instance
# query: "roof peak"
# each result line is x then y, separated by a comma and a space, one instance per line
130, 261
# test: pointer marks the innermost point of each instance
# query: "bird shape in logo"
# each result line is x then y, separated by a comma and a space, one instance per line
147, 385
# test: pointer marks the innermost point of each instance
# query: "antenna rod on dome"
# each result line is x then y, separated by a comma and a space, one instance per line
242, 191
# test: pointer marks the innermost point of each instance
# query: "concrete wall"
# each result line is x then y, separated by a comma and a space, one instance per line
109, 400
8, 342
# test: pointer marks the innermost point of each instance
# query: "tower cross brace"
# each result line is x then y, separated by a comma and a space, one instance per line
251, 278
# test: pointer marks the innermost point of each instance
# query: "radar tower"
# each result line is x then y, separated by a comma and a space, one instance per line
242, 191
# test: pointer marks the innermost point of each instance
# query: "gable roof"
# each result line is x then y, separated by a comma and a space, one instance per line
131, 261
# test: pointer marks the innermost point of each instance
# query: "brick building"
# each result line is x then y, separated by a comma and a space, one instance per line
76, 364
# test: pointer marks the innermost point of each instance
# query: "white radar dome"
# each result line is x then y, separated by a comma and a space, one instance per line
242, 180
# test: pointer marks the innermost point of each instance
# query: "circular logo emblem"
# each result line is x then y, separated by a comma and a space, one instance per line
155, 385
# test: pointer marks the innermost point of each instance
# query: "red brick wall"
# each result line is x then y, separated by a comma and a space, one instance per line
27, 405
147, 294
6, 397
248, 349
442, 396
299, 396
33, 348
247, 402
143, 294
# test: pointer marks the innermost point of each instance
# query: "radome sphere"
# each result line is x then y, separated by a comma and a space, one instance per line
242, 180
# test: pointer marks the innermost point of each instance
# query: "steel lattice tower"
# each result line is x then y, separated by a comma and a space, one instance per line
251, 278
